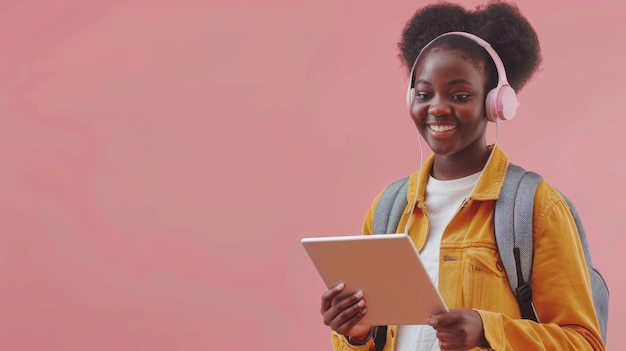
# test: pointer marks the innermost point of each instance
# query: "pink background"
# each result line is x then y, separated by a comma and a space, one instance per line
162, 159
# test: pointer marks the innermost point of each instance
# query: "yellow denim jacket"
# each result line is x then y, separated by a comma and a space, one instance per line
471, 276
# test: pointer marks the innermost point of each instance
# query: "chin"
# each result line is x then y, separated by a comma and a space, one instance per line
443, 150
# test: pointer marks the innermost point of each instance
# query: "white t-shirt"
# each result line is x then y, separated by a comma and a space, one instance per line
443, 199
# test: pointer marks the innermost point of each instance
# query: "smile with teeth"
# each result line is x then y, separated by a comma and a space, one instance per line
441, 128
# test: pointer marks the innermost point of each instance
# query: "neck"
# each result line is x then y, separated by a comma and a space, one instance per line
470, 161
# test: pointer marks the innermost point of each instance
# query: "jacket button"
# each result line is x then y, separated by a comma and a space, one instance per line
392, 333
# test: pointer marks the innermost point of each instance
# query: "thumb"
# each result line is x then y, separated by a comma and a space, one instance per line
441, 320
433, 321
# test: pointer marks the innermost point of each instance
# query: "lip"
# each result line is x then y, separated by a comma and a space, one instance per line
441, 130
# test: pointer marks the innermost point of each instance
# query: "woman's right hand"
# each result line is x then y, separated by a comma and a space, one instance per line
342, 313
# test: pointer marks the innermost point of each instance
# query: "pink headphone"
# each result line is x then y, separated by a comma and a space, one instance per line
501, 102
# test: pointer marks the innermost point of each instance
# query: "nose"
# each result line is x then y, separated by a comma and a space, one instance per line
439, 107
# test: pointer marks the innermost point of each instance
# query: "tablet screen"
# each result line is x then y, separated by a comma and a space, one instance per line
386, 267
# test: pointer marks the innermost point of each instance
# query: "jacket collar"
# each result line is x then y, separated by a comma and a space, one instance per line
488, 185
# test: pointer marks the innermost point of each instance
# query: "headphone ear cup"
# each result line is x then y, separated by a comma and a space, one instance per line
507, 103
501, 103
489, 105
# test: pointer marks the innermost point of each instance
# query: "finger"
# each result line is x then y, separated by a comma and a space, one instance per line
344, 309
445, 336
450, 346
329, 295
466, 333
450, 342
444, 319
346, 320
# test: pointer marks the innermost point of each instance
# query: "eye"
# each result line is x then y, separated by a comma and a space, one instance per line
420, 95
460, 97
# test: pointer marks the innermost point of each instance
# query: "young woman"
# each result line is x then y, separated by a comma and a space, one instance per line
451, 200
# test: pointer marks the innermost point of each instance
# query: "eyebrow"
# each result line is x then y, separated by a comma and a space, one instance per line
456, 81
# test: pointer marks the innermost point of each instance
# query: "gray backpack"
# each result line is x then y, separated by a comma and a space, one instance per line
513, 230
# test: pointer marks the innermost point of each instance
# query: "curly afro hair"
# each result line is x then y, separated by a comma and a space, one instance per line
498, 22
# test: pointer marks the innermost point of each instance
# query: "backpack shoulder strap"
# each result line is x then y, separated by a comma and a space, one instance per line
513, 223
387, 215
390, 206
504, 221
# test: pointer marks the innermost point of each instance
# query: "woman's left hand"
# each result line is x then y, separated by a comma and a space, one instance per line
459, 329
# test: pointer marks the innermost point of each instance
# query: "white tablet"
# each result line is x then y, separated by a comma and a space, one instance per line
386, 267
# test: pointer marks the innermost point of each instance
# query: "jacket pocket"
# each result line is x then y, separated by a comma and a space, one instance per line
485, 285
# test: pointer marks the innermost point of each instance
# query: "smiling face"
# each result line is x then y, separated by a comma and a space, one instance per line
449, 107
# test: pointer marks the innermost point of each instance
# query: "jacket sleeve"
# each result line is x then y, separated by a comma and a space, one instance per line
340, 343
368, 222
560, 284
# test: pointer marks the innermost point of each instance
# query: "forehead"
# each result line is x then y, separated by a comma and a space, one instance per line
440, 63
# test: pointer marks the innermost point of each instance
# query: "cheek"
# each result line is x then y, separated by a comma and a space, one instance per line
481, 125
476, 114
418, 113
